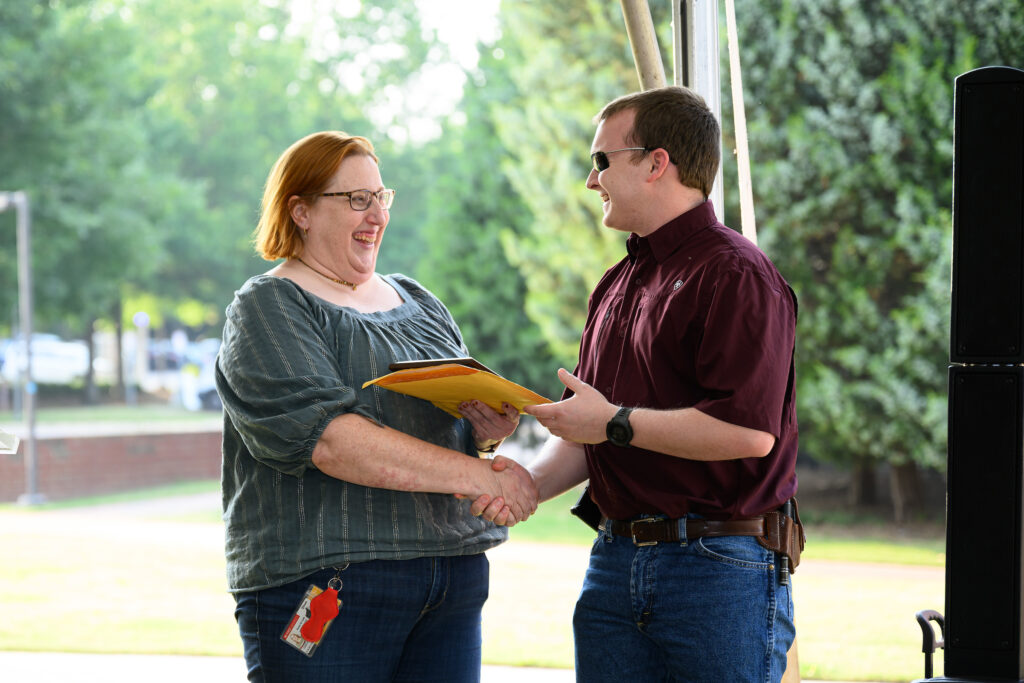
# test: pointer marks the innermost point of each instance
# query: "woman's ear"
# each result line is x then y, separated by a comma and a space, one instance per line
299, 212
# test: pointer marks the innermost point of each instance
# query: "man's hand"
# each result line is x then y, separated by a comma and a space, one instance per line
583, 417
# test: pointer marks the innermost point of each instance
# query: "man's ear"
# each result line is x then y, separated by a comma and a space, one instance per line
660, 163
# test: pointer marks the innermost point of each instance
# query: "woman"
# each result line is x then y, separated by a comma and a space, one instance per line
330, 485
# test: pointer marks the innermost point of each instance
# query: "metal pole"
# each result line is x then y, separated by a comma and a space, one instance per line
644, 41
696, 61
28, 388
739, 119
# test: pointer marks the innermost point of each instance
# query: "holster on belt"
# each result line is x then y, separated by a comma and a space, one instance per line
784, 534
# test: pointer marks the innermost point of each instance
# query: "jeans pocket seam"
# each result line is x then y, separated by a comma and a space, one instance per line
710, 554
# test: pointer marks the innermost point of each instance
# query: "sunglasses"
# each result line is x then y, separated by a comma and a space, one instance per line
600, 159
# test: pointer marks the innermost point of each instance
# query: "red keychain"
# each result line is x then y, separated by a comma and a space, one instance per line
313, 616
322, 609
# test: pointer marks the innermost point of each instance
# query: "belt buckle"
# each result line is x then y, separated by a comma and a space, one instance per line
632, 530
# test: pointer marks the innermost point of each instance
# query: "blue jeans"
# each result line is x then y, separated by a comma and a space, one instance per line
400, 620
710, 609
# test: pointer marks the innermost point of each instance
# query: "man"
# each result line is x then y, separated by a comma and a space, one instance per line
681, 414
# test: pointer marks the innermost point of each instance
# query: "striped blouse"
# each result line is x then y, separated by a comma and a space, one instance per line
292, 362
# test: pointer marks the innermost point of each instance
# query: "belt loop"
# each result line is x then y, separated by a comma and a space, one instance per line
604, 530
681, 525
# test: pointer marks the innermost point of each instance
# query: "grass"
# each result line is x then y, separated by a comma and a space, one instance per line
111, 413
156, 585
186, 488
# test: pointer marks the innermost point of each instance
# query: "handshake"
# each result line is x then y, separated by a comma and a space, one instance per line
510, 497
513, 497
505, 492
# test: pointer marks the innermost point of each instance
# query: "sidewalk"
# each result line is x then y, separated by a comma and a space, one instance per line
48, 667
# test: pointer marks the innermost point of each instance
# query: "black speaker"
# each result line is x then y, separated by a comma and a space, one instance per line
984, 578
988, 217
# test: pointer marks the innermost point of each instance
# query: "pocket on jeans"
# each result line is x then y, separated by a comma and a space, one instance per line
738, 551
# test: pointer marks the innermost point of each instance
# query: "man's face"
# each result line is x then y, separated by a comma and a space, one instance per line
621, 183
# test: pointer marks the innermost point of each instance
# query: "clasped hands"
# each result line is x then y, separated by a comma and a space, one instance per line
510, 495
581, 418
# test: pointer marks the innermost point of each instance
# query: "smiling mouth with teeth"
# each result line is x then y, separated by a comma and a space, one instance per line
364, 238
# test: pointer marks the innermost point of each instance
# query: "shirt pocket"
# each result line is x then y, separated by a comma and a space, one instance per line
610, 318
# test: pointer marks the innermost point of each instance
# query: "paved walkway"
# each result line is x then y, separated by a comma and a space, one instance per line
50, 667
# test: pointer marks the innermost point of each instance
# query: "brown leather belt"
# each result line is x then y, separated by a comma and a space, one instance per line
649, 531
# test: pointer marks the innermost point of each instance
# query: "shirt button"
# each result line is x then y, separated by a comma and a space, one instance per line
608, 391
637, 281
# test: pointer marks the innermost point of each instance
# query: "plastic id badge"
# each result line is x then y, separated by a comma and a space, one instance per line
312, 618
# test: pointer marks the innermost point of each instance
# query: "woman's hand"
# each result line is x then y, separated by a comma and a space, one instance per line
489, 426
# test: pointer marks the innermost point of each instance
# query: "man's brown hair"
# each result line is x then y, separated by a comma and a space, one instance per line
677, 120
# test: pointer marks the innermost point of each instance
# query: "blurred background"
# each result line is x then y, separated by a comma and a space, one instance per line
142, 133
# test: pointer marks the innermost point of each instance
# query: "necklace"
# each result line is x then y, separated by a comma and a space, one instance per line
325, 275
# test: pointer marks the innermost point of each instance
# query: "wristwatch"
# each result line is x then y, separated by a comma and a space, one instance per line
619, 432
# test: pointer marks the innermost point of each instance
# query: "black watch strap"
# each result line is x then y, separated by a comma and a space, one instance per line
618, 430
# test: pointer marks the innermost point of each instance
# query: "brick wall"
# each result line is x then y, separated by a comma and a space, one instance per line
70, 466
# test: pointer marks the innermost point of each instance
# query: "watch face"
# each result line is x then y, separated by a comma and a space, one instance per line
618, 430
618, 435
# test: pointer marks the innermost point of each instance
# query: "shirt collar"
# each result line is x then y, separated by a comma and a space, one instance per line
669, 237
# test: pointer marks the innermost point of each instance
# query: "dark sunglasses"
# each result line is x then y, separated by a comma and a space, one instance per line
600, 159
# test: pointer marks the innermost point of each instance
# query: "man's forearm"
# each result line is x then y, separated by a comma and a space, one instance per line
691, 434
560, 465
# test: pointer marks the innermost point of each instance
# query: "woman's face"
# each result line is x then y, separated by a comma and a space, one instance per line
340, 237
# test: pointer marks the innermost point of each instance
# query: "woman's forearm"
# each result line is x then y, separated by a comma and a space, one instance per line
359, 451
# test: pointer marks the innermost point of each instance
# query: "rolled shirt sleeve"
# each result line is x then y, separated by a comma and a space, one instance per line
279, 379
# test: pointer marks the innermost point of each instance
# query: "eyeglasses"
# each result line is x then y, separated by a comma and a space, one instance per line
600, 159
360, 200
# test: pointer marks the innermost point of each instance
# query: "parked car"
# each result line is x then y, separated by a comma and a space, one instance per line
203, 354
54, 361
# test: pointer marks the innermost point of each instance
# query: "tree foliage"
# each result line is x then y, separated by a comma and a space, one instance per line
567, 61
472, 212
143, 132
78, 147
850, 110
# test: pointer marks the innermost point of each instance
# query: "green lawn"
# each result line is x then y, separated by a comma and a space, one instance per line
110, 413
156, 585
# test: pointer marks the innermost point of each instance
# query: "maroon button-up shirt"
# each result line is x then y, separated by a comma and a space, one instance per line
694, 316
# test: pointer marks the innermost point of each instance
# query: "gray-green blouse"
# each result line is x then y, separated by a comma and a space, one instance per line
292, 362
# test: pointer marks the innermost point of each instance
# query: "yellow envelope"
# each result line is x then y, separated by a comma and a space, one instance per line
446, 385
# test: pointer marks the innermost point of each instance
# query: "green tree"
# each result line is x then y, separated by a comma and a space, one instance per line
471, 211
145, 160
240, 81
566, 61
851, 133
78, 147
